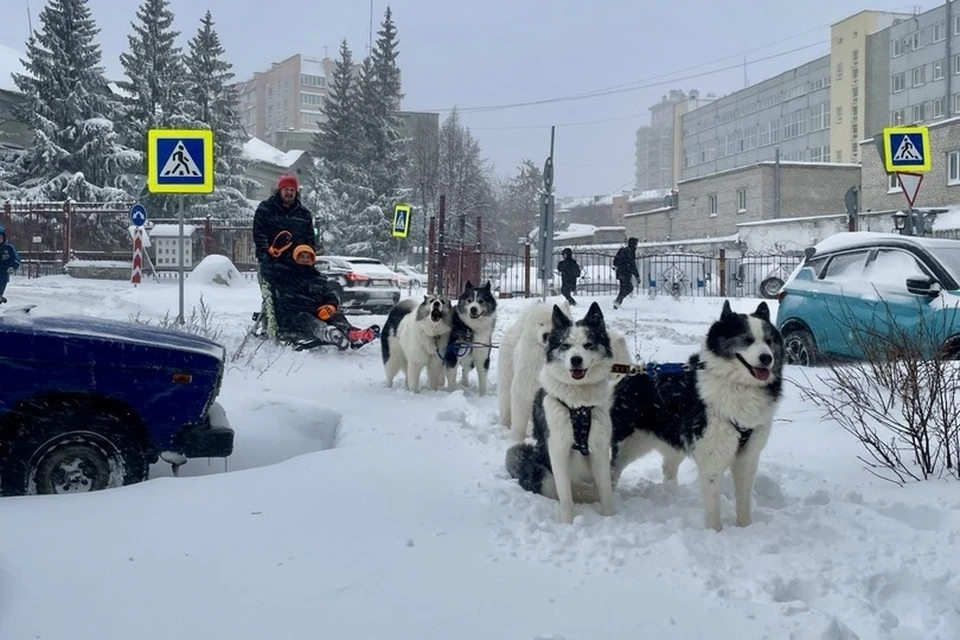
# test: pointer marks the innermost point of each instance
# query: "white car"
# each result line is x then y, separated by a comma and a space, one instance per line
363, 283
408, 276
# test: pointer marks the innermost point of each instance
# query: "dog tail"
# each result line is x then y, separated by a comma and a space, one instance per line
524, 464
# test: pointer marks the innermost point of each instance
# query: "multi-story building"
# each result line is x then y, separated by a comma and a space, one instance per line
813, 113
657, 167
282, 106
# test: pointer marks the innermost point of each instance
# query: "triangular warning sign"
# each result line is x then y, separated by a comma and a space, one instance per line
180, 163
907, 151
910, 184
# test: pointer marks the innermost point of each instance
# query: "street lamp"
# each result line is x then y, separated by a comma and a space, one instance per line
901, 221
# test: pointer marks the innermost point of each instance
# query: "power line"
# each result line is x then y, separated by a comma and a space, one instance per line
640, 84
559, 124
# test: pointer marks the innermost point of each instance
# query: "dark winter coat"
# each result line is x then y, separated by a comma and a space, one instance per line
298, 291
270, 219
625, 262
569, 272
9, 258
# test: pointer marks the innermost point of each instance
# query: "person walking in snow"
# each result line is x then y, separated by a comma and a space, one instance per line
625, 262
9, 260
569, 272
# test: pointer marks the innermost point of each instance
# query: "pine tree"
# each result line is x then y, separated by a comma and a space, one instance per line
68, 104
214, 104
379, 103
337, 140
463, 175
155, 91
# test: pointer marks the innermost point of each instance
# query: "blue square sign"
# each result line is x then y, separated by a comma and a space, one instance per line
906, 149
180, 161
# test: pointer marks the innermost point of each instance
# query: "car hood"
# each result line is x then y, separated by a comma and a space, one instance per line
111, 331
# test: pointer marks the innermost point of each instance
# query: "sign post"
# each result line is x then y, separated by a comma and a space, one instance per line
545, 246
401, 226
138, 218
906, 152
180, 161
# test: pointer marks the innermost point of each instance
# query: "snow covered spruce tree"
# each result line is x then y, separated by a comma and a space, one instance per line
462, 173
359, 149
213, 103
339, 191
77, 153
155, 89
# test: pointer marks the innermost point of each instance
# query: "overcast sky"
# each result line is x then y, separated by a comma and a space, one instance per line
500, 52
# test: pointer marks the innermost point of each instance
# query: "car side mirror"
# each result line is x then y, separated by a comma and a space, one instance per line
923, 286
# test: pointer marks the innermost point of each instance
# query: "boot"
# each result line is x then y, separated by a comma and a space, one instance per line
359, 337
328, 334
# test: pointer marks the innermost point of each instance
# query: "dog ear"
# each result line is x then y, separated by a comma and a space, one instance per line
594, 315
560, 319
426, 297
763, 311
487, 286
727, 311
468, 286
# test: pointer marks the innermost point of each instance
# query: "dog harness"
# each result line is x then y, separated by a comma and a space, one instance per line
580, 419
744, 434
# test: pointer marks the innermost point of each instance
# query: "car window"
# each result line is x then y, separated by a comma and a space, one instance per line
845, 266
891, 268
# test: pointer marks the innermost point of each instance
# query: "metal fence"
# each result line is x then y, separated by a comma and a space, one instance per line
673, 273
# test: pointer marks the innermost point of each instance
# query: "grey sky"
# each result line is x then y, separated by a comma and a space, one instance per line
496, 52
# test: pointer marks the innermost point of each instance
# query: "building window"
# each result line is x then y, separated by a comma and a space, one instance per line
741, 200
919, 113
838, 156
893, 185
855, 75
915, 41
838, 118
856, 56
956, 103
898, 117
897, 48
938, 70
899, 82
938, 107
712, 204
919, 75
955, 69
855, 95
839, 71
956, 25
938, 32
953, 168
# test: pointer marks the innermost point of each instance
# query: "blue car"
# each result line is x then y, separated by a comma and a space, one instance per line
868, 295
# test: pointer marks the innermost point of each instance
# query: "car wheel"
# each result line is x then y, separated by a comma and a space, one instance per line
770, 287
800, 348
48, 456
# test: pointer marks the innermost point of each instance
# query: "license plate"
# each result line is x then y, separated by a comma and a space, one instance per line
381, 283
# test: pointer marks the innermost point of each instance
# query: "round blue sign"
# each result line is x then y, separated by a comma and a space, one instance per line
138, 215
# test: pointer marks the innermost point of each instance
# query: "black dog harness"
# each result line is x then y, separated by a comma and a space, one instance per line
744, 434
580, 418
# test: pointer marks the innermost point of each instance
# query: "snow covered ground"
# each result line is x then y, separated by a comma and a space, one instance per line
352, 511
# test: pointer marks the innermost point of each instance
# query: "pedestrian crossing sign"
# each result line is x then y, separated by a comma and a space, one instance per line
906, 149
401, 220
180, 161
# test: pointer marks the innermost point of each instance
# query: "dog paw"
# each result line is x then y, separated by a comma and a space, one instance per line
608, 510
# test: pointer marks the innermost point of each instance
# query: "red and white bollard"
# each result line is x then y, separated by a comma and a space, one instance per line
137, 256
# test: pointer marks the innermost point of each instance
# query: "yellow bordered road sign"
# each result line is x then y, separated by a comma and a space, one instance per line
906, 149
401, 220
180, 161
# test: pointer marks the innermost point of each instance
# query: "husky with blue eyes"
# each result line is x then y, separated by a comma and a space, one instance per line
571, 417
717, 408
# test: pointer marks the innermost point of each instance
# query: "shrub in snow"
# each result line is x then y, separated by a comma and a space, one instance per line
215, 269
900, 400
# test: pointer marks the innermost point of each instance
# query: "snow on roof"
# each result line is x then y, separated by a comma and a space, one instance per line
312, 67
9, 64
171, 230
948, 220
576, 230
260, 151
650, 194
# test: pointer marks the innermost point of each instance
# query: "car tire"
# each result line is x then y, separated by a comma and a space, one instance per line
770, 287
800, 348
48, 455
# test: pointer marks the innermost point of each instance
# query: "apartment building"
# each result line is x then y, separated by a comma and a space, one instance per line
282, 105
817, 112
656, 158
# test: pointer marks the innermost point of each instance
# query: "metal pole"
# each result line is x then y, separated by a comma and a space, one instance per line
776, 184
180, 319
546, 224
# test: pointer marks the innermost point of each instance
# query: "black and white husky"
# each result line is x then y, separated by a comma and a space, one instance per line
718, 409
473, 320
571, 415
414, 338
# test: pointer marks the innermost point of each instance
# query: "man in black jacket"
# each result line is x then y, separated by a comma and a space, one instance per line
569, 272
304, 304
625, 262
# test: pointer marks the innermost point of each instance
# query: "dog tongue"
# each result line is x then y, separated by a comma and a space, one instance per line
435, 315
761, 374
577, 374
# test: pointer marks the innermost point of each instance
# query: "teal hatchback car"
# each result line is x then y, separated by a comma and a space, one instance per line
860, 294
